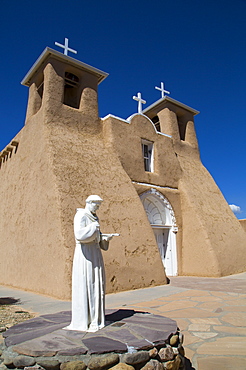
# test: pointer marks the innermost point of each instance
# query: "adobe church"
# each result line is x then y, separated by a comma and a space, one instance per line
171, 216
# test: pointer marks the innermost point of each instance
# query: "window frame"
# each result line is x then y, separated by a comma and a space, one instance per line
149, 159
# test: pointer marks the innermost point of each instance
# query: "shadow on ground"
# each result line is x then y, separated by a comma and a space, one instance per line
9, 301
188, 365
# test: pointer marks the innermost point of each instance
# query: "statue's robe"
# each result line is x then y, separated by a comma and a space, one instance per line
88, 277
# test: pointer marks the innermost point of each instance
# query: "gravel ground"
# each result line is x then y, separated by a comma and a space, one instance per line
12, 314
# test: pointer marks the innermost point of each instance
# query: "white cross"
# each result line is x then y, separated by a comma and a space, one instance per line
140, 101
65, 47
163, 91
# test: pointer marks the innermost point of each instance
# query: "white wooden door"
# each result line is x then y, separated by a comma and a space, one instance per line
165, 249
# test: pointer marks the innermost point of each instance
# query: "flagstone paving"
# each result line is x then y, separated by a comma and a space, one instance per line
211, 313
212, 316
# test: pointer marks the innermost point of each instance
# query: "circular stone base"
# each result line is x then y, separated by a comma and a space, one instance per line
130, 336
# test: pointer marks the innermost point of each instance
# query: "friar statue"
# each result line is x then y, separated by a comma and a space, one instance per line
88, 276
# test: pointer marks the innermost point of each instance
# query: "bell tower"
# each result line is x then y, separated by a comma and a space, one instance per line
62, 87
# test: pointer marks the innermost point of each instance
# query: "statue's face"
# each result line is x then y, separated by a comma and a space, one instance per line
93, 206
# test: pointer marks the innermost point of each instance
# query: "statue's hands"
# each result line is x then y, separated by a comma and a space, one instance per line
108, 237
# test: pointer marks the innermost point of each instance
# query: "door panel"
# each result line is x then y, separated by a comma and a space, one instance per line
162, 238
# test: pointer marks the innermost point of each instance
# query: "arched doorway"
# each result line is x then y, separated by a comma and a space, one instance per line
161, 217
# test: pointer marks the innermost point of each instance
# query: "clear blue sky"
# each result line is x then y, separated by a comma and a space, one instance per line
196, 47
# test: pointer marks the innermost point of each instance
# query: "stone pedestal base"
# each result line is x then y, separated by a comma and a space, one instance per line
130, 341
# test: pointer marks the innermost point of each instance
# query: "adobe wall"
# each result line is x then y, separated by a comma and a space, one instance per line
83, 166
61, 159
125, 138
32, 253
243, 223
213, 239
210, 240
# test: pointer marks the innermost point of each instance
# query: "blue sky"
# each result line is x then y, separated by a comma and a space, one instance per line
197, 48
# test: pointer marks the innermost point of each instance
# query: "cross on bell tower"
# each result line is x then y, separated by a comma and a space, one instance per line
162, 89
65, 47
140, 101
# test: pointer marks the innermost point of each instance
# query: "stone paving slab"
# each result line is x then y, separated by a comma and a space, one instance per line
48, 345
101, 345
128, 337
222, 362
27, 335
225, 284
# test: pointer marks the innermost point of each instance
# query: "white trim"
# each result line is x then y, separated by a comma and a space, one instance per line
137, 114
112, 116
161, 133
166, 203
128, 120
69, 60
171, 100
161, 226
153, 186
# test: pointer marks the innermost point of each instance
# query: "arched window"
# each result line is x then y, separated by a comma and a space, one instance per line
156, 122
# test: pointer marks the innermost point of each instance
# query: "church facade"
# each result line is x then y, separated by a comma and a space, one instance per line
171, 216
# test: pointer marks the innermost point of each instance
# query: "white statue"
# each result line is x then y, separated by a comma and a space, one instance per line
88, 277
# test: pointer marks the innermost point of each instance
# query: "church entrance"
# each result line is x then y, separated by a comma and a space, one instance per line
161, 217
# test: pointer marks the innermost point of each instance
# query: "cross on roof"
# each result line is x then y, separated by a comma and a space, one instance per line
163, 91
65, 47
140, 101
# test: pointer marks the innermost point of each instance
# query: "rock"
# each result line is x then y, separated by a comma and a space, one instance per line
48, 364
153, 365
173, 365
76, 351
135, 358
153, 352
181, 350
2, 329
3, 367
175, 350
166, 354
174, 340
100, 362
7, 360
181, 338
122, 366
23, 361
73, 365
182, 365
